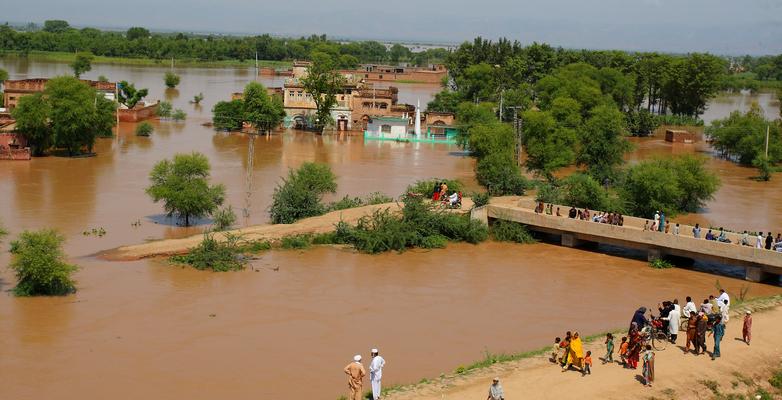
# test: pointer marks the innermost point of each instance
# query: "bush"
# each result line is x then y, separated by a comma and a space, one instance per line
178, 115
325, 238
480, 199
144, 129
500, 175
224, 218
776, 379
296, 242
228, 115
582, 191
660, 263
171, 79
198, 98
218, 256
39, 264
510, 231
300, 194
549, 192
164, 109
353, 202
378, 198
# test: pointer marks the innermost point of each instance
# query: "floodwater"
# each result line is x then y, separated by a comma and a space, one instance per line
145, 328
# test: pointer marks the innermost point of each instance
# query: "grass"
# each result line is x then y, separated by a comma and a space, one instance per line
296, 242
660, 263
53, 56
220, 255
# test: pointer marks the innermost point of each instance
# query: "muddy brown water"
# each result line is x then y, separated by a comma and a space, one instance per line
147, 329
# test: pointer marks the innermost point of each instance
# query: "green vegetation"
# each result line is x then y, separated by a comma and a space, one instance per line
264, 112
420, 224
178, 115
660, 263
82, 64
220, 255
69, 115
425, 187
300, 194
171, 79
480, 199
144, 129
129, 95
672, 185
39, 264
296, 242
323, 82
352, 202
164, 109
742, 138
3, 77
509, 231
198, 98
223, 218
139, 43
183, 186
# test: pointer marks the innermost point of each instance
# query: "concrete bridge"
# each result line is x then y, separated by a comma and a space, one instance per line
759, 264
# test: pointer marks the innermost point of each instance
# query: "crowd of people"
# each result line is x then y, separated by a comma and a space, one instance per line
440, 195
585, 215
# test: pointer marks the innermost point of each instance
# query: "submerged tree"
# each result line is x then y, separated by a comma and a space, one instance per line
129, 95
183, 186
264, 112
39, 264
228, 115
171, 79
300, 194
32, 122
82, 64
323, 82
78, 114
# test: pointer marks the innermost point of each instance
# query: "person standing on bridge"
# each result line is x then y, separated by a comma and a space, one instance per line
661, 226
355, 372
759, 240
376, 373
769, 241
696, 231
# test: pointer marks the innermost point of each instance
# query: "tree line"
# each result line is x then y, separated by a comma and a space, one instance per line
139, 42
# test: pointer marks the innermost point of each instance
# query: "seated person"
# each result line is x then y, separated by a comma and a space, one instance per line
745, 239
453, 199
723, 237
572, 212
710, 236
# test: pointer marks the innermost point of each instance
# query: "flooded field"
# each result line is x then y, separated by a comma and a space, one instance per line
145, 328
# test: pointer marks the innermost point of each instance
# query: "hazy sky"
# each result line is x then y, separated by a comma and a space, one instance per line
720, 26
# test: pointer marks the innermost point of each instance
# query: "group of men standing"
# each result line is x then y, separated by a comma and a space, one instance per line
356, 373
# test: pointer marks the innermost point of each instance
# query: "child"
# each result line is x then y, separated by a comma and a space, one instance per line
623, 350
648, 370
609, 349
587, 364
565, 346
747, 329
555, 350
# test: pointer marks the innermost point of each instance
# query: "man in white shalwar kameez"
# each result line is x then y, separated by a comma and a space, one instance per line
376, 373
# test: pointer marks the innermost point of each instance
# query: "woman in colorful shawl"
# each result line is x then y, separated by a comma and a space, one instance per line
634, 352
576, 355
648, 370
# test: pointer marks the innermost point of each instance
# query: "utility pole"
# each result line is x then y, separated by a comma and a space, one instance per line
256, 65
502, 92
767, 128
517, 125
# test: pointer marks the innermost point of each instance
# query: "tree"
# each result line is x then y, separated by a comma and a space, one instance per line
39, 264
603, 144
581, 190
3, 75
164, 109
500, 174
183, 186
695, 80
742, 137
144, 129
300, 195
55, 26
399, 52
129, 96
136, 32
444, 101
323, 82
548, 145
82, 64
77, 113
171, 79
259, 109
32, 122
228, 115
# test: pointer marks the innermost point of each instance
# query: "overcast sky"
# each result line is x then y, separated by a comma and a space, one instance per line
719, 26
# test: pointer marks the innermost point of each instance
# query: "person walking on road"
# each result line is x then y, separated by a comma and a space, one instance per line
746, 331
355, 372
376, 373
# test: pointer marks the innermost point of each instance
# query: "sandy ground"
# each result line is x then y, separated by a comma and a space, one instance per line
320, 224
677, 373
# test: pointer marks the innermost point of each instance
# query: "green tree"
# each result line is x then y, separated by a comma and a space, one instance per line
742, 137
39, 264
32, 122
144, 129
171, 79
77, 113
82, 64
399, 52
164, 109
259, 109
323, 82
444, 101
603, 144
136, 32
549, 146
178, 115
500, 174
182, 184
55, 26
581, 190
300, 195
129, 96
228, 115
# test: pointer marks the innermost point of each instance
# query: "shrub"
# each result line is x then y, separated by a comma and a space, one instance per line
549, 192
300, 194
776, 379
296, 242
39, 264
426, 186
224, 218
377, 198
345, 203
218, 256
178, 115
144, 129
197, 98
171, 79
510, 231
325, 238
582, 191
500, 175
660, 263
164, 109
480, 199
